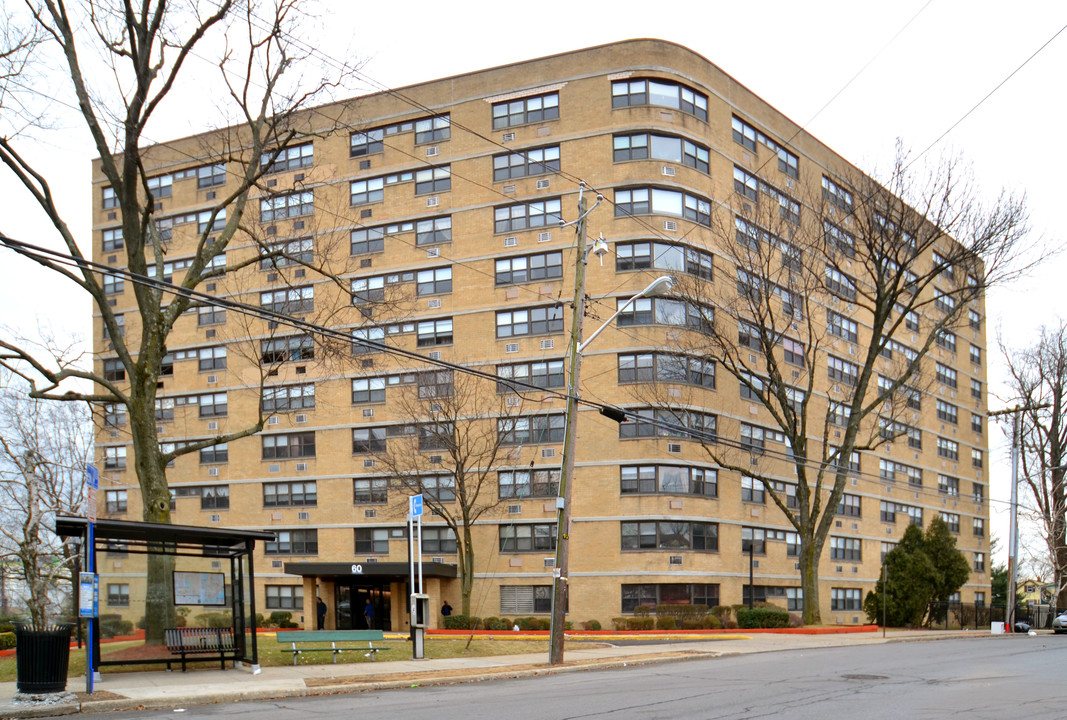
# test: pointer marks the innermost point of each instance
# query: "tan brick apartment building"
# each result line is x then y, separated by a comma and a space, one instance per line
435, 210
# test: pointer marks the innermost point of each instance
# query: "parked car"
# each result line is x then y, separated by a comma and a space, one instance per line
1059, 624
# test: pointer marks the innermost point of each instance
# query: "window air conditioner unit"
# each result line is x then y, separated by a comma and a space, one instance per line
216, 518
432, 201
438, 560
668, 171
368, 412
434, 304
276, 516
507, 137
371, 560
548, 344
370, 513
509, 189
550, 562
300, 417
213, 425
674, 447
435, 459
544, 237
513, 401
670, 225
303, 515
543, 184
275, 563
274, 468
435, 355
514, 509
301, 467
676, 560
433, 252
431, 151
368, 462
548, 452
273, 420
511, 241
212, 379
511, 348
215, 564
213, 472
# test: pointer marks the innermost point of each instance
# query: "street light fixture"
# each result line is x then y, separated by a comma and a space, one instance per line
563, 502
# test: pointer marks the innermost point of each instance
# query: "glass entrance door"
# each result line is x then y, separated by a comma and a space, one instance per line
363, 606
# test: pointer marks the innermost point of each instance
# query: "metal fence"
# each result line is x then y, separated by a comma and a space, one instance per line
964, 616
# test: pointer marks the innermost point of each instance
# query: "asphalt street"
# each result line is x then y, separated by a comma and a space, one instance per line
972, 678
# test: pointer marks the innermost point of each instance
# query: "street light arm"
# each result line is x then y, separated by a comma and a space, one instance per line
660, 284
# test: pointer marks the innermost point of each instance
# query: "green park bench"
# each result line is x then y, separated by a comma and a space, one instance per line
301, 641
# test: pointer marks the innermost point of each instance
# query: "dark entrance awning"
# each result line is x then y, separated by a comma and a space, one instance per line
376, 570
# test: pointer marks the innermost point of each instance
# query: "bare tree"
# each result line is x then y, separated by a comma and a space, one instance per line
1039, 388
826, 319
148, 49
455, 432
44, 447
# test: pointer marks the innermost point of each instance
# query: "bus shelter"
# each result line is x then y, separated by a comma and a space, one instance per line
207, 568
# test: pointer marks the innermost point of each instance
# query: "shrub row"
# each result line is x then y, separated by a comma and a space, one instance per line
473, 622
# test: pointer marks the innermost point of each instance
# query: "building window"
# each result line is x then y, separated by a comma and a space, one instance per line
976, 458
528, 483
527, 538
531, 430
850, 505
976, 423
661, 367
210, 315
525, 599
945, 375
110, 199
752, 490
438, 540
537, 161
840, 284
529, 268
669, 480
114, 370
290, 494
372, 541
286, 398
944, 302
659, 201
642, 146
979, 492
753, 438
210, 175
368, 440
976, 355
978, 527
214, 497
653, 595
664, 311
433, 231
367, 240
434, 332
842, 548
289, 445
215, 454
842, 599
118, 594
753, 540
948, 449
290, 252
747, 136
513, 218
212, 405
524, 111
685, 424
112, 240
952, 520
842, 327
843, 371
947, 412
436, 281
211, 358
542, 374
432, 180
368, 390
280, 207
531, 321
976, 389
433, 129
663, 256
289, 301
439, 488
294, 347
114, 415
294, 157
370, 491
363, 192
285, 597
836, 194
293, 542
115, 458
670, 535
974, 320
366, 143
115, 501
631, 93
945, 339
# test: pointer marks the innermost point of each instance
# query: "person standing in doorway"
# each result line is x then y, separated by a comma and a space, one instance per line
446, 609
368, 613
320, 611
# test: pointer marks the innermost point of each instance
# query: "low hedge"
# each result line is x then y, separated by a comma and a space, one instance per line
762, 617
7, 640
462, 622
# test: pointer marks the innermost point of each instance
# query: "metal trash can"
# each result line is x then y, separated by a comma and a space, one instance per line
42, 658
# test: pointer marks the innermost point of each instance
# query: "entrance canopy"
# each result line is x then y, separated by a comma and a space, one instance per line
396, 570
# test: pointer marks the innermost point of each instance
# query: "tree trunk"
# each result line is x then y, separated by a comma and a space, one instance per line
465, 559
809, 580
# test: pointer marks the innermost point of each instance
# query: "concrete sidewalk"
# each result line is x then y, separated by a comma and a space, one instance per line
134, 690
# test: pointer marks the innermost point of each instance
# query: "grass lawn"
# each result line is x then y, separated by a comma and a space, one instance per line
272, 653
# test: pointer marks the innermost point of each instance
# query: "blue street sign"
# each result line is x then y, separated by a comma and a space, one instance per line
92, 477
415, 505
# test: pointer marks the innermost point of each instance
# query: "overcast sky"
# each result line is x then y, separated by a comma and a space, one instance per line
913, 68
